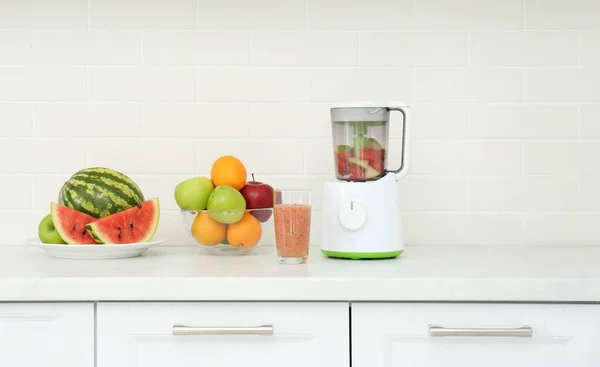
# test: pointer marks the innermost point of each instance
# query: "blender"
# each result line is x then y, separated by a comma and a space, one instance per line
361, 209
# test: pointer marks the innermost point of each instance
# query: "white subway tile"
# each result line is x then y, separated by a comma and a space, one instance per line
16, 120
359, 15
287, 120
196, 48
46, 189
142, 84
551, 158
18, 226
562, 158
142, 156
87, 120
522, 121
304, 48
84, 47
196, 120
589, 46
16, 47
468, 85
578, 85
523, 48
469, 14
42, 84
463, 229
466, 158
589, 122
587, 153
331, 84
132, 156
42, 14
556, 14
413, 49
251, 15
529, 194
143, 14
566, 229
443, 121
437, 193
589, 195
41, 155
318, 157
16, 192
260, 157
250, 85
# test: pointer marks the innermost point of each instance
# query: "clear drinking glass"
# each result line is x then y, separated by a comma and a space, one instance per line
292, 225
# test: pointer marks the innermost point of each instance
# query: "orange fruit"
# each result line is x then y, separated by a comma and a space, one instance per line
228, 170
207, 231
245, 233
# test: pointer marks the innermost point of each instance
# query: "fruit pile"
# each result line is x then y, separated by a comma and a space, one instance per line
362, 162
228, 207
100, 206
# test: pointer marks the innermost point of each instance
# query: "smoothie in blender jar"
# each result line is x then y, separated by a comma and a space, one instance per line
292, 226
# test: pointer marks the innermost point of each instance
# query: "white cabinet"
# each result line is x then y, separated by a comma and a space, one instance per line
228, 334
47, 334
470, 335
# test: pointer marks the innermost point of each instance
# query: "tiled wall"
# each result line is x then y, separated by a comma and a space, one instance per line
506, 95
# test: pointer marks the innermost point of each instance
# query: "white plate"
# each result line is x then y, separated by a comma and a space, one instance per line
94, 252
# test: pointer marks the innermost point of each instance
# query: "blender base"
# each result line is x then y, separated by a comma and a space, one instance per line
362, 220
362, 255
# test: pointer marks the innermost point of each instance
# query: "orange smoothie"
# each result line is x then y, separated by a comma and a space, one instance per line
292, 229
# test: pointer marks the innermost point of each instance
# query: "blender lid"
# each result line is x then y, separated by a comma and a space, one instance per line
358, 104
368, 104
359, 111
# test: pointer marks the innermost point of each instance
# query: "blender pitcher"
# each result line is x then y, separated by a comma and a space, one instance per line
360, 141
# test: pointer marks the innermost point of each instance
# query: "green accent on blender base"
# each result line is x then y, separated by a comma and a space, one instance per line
362, 255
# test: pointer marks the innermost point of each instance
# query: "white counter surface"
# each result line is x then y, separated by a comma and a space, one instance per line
174, 273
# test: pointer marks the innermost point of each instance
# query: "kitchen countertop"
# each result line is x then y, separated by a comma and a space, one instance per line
423, 273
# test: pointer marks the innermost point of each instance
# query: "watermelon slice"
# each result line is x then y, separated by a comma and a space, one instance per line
133, 225
70, 224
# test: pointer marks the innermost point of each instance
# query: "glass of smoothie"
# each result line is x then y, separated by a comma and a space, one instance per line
292, 225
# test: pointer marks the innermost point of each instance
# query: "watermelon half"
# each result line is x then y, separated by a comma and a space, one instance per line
133, 225
70, 224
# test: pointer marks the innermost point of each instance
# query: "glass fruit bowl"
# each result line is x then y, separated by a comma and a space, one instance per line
230, 232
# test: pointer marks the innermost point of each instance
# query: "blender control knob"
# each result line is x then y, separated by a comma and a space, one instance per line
352, 215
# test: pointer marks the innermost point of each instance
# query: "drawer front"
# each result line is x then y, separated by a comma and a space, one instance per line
491, 335
223, 334
47, 334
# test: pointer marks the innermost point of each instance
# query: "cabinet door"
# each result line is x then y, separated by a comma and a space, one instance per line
47, 334
474, 335
228, 334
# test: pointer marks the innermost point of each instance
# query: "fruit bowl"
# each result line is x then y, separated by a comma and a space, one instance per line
230, 232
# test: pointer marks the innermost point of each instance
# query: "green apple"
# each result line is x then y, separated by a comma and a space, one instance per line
371, 172
344, 148
362, 163
47, 231
373, 144
226, 204
193, 193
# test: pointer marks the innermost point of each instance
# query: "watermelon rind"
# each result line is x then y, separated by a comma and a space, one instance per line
100, 192
60, 227
99, 235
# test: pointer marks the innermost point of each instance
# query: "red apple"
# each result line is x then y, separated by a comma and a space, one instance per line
258, 195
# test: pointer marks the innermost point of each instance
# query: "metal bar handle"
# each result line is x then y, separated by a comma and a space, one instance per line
520, 332
223, 330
